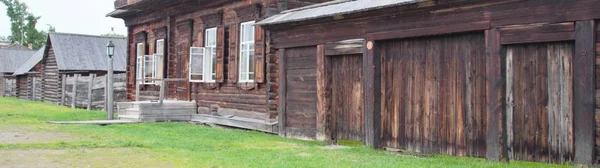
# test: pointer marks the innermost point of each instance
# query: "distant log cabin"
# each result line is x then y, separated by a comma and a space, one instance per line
212, 45
502, 79
70, 56
10, 60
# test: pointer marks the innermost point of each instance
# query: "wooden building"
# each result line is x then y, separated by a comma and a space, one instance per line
28, 77
502, 79
73, 55
10, 60
214, 51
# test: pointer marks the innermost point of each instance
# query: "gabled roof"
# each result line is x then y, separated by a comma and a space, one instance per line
7, 45
10, 59
75, 52
31, 62
333, 8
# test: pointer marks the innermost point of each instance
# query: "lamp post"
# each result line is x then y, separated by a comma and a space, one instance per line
110, 51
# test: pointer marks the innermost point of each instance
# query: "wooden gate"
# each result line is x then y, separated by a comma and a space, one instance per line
346, 96
539, 98
434, 94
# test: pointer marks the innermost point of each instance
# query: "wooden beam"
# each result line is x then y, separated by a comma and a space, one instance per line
63, 92
372, 94
282, 92
90, 88
345, 47
324, 116
495, 134
583, 91
429, 31
74, 94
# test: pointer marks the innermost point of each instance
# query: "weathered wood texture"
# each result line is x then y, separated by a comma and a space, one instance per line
98, 91
597, 100
433, 91
52, 80
9, 85
301, 84
540, 102
346, 97
583, 91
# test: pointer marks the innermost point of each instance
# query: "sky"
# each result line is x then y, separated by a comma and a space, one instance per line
70, 16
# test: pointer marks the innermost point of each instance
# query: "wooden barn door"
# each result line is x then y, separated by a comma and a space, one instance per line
346, 96
539, 98
301, 92
434, 95
183, 40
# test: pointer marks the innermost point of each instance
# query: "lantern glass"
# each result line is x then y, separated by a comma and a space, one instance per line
110, 49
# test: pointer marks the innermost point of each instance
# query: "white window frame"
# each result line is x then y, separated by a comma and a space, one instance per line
210, 54
203, 52
244, 73
159, 55
152, 58
140, 62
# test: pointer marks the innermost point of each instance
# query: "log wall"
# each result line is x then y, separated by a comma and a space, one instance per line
597, 113
52, 81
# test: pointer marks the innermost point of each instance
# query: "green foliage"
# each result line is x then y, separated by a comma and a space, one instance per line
23, 25
185, 145
114, 35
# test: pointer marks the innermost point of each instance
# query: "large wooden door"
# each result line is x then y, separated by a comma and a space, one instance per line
434, 94
180, 63
301, 92
346, 96
539, 97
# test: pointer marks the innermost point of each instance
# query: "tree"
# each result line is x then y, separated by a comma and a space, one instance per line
23, 24
115, 35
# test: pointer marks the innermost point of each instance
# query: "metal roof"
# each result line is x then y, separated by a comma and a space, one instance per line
11, 59
31, 62
75, 52
328, 9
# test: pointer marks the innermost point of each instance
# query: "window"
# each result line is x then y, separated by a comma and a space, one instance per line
140, 61
203, 59
158, 58
196, 64
247, 52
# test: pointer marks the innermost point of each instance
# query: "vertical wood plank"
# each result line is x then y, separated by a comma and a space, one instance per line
324, 129
89, 93
510, 101
583, 91
33, 88
62, 90
282, 92
495, 141
372, 91
565, 117
74, 94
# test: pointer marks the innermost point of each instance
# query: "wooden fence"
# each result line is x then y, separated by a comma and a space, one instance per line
89, 91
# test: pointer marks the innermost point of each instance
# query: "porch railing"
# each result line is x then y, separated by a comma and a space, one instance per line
163, 83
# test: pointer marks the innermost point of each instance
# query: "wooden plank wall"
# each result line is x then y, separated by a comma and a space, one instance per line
346, 96
433, 94
9, 86
301, 95
23, 89
98, 89
597, 111
2, 86
539, 102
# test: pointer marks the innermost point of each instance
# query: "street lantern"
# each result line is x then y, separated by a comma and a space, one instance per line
110, 51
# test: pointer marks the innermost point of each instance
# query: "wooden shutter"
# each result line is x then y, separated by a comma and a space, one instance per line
233, 53
259, 57
220, 53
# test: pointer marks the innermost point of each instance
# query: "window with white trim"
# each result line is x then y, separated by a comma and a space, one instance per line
203, 59
196, 64
210, 39
139, 61
246, 73
158, 58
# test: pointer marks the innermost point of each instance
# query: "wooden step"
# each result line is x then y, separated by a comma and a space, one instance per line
237, 122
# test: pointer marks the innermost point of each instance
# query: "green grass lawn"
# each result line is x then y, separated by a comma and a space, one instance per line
186, 145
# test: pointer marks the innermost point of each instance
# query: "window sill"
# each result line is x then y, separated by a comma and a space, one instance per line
247, 85
210, 85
